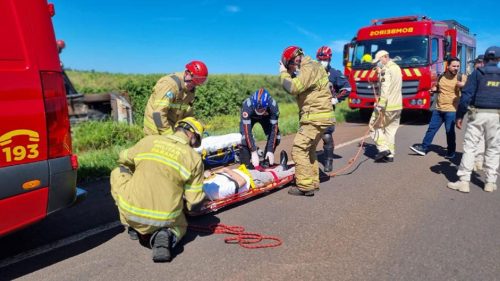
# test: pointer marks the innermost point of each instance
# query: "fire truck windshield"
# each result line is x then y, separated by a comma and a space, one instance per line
405, 51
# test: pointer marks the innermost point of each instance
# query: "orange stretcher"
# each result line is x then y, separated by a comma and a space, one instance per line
215, 205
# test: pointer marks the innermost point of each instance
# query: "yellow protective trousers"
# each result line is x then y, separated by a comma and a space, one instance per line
383, 127
304, 155
118, 180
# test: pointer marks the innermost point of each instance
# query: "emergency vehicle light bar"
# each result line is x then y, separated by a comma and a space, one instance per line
398, 19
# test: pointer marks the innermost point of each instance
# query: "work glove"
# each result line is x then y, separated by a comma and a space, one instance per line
379, 108
255, 159
335, 101
270, 158
282, 67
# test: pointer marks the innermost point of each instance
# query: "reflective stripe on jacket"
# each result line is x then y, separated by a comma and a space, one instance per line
310, 87
391, 83
167, 173
169, 103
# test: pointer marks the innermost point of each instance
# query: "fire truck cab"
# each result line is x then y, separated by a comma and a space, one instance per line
419, 45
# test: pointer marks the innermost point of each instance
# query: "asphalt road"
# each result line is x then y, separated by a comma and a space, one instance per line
377, 221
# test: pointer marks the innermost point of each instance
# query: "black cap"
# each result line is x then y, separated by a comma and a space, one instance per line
492, 52
479, 58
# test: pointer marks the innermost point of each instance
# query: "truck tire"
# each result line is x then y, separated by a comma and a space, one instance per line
365, 113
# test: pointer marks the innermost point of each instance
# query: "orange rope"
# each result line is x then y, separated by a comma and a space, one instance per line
361, 144
239, 236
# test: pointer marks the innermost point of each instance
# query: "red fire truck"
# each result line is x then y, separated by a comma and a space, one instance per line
418, 45
37, 166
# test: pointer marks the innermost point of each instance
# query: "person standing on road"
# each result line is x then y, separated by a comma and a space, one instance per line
384, 121
157, 178
340, 89
478, 164
307, 80
263, 109
481, 100
172, 99
448, 94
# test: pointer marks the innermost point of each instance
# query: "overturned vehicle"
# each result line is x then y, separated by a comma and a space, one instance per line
98, 107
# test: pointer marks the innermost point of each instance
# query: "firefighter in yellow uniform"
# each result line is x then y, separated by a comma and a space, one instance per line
172, 99
386, 116
307, 80
157, 178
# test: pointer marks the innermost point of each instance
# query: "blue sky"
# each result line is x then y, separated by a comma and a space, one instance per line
154, 36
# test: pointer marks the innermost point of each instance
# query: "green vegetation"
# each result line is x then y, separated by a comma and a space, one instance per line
218, 103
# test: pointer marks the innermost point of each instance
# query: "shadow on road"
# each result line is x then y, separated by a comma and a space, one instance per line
34, 263
202, 222
450, 171
46, 242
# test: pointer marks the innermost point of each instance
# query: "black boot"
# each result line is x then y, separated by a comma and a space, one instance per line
284, 160
132, 233
328, 162
328, 167
161, 244
297, 192
379, 156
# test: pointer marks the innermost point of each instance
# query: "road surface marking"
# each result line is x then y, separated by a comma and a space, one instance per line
80, 236
58, 244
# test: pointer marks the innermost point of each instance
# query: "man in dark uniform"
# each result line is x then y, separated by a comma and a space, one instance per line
259, 108
340, 88
481, 101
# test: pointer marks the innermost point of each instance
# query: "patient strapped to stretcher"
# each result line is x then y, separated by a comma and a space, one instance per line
226, 182
219, 150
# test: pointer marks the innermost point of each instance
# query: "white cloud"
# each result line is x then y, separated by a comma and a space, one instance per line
233, 9
303, 31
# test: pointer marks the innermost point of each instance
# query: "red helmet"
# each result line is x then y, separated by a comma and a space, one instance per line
60, 44
198, 70
324, 53
290, 53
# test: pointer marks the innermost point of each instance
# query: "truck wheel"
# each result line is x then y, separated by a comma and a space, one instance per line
365, 113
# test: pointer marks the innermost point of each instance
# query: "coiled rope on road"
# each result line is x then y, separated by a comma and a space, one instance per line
248, 240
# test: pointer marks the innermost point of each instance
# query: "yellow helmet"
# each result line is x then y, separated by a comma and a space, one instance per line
194, 126
366, 58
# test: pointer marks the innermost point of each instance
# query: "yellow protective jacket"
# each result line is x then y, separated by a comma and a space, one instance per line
169, 103
391, 83
310, 87
167, 174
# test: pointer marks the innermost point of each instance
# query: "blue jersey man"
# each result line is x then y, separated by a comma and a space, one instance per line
340, 88
263, 109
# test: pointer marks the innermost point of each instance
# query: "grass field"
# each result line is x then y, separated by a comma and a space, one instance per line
218, 103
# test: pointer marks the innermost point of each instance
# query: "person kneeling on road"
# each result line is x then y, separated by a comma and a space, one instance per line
226, 182
155, 179
263, 109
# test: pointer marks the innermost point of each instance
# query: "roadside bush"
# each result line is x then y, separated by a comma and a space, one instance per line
222, 94
95, 135
217, 105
